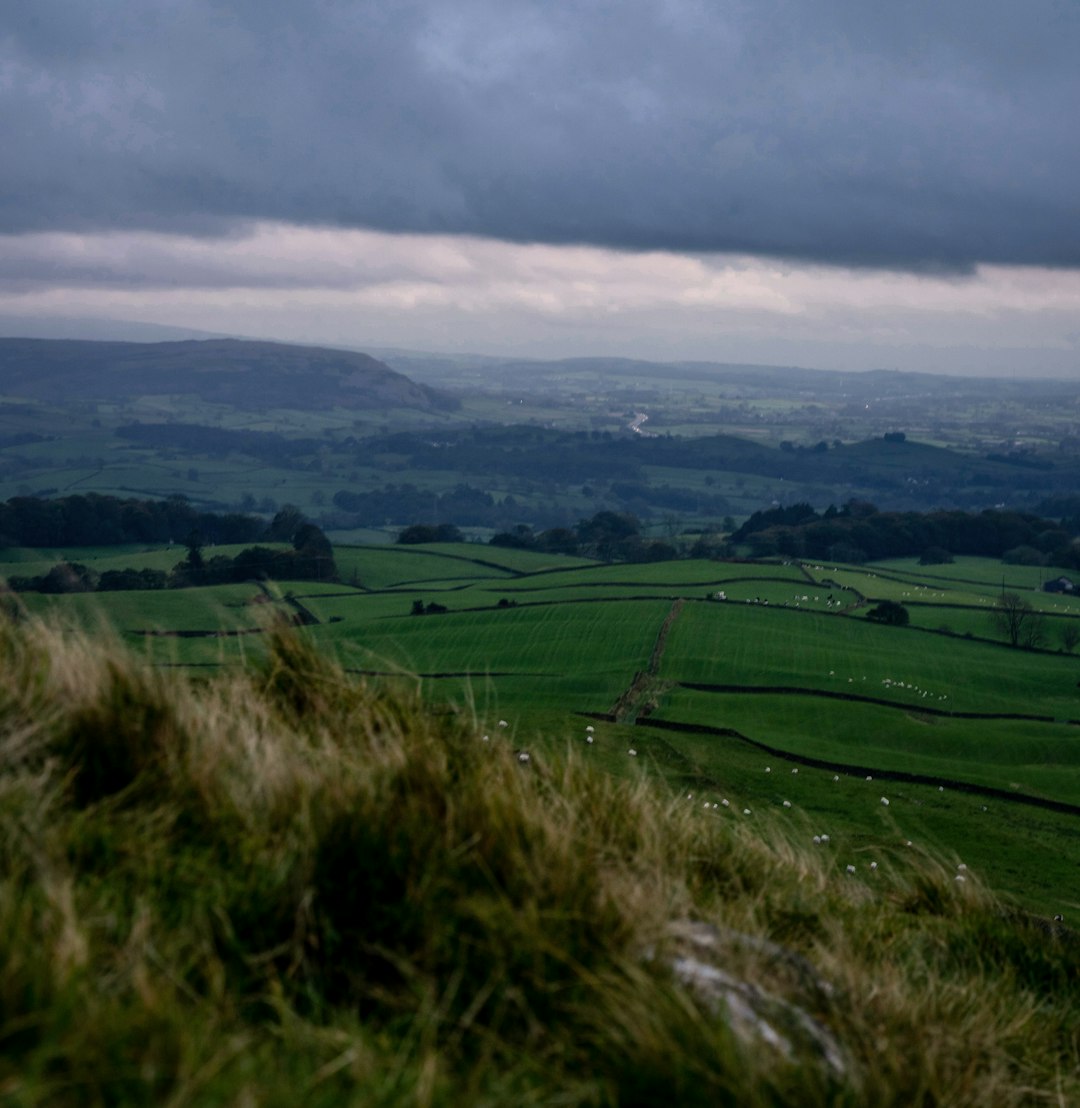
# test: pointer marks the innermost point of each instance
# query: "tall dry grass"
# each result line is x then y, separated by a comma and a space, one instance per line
288, 887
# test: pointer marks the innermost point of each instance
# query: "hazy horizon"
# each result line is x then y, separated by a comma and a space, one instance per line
998, 363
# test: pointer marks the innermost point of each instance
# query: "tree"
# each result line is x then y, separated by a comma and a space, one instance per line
423, 532
286, 523
606, 532
68, 577
1070, 636
314, 555
889, 612
847, 552
935, 556
1023, 555
1017, 621
194, 544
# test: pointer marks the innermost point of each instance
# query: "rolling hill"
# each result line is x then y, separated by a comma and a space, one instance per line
235, 372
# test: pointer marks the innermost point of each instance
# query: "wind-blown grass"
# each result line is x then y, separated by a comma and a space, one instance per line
288, 887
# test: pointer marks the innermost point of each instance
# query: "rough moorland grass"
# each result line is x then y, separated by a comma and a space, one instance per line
289, 887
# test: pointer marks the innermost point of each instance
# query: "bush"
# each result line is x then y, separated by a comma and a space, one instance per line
891, 613
935, 556
422, 533
1023, 555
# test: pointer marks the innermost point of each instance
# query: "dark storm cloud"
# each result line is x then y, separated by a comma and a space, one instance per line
909, 135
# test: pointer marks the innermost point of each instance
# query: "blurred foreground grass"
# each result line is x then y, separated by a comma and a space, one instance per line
287, 887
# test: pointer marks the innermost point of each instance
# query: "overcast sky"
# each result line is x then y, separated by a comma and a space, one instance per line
838, 183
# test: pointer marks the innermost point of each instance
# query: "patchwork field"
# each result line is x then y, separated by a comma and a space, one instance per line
751, 683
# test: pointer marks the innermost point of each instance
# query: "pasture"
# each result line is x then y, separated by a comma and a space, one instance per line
975, 745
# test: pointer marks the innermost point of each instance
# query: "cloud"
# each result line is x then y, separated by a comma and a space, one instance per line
371, 288
920, 135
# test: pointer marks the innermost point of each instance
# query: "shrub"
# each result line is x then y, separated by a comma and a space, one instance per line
889, 612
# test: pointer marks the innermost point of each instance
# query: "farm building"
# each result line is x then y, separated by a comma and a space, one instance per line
1059, 584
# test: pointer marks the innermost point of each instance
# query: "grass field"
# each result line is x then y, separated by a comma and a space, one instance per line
287, 886
795, 666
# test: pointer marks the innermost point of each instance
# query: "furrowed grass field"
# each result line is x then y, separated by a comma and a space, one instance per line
973, 743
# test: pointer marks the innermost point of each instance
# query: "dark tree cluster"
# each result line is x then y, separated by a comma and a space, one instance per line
609, 536
859, 532
194, 438
890, 613
94, 519
432, 608
466, 504
567, 457
310, 559
1065, 509
423, 532
670, 497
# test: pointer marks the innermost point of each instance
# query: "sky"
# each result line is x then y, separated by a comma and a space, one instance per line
830, 183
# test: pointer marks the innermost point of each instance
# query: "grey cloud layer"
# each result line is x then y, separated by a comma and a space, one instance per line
921, 135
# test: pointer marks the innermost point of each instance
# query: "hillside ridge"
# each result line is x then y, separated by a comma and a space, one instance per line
237, 372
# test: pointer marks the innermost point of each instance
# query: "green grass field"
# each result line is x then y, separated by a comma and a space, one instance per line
576, 637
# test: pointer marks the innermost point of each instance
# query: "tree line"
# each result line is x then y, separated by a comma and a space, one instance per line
311, 558
858, 532
609, 536
96, 519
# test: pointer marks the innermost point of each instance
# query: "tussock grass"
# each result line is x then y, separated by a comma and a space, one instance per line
288, 887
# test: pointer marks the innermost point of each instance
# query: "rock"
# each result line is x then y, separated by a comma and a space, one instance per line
757, 1016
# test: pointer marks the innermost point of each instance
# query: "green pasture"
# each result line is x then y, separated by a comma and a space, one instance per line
547, 594
578, 635
216, 608
1018, 849
1039, 759
977, 622
975, 581
536, 665
699, 572
607, 641
451, 585
973, 571
383, 567
889, 586
973, 620
313, 588
762, 590
516, 561
752, 645
357, 608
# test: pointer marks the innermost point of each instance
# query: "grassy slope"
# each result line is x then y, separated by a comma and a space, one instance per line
580, 634
285, 887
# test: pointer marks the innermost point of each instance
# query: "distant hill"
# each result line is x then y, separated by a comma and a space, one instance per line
240, 373
99, 330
